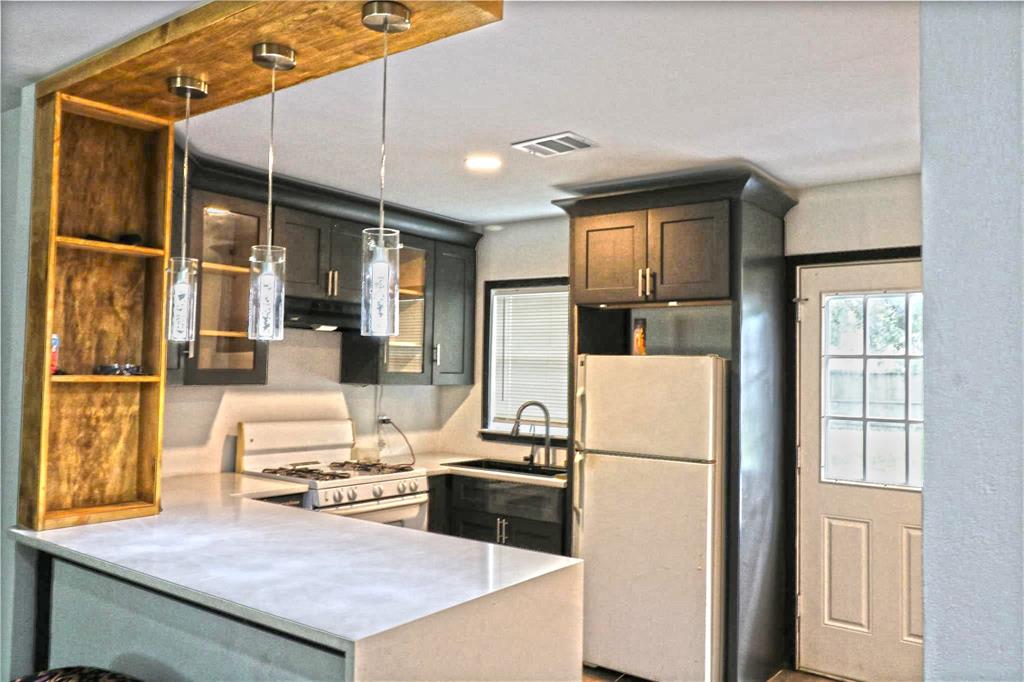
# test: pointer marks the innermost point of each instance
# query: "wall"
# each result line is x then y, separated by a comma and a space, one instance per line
537, 248
17, 563
972, 125
852, 216
201, 422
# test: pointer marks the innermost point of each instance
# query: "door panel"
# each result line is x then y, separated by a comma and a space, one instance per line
347, 260
307, 237
859, 503
689, 251
609, 254
454, 312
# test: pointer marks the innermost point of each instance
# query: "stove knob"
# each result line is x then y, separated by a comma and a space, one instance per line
401, 487
337, 496
414, 486
377, 491
352, 494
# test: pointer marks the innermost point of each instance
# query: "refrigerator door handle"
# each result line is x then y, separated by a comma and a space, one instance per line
577, 475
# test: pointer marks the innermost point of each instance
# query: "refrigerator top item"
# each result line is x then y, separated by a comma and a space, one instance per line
668, 406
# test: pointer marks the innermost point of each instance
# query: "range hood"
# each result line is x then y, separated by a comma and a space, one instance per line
328, 316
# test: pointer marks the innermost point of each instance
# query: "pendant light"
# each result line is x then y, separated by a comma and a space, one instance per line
381, 246
266, 264
183, 272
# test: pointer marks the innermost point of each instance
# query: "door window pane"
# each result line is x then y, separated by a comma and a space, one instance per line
886, 453
845, 316
916, 389
844, 448
872, 402
886, 388
845, 386
887, 323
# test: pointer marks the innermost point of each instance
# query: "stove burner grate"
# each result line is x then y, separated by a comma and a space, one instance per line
308, 473
371, 467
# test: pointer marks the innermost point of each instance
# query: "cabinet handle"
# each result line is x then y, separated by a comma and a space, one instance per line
640, 282
497, 530
504, 531
648, 276
330, 277
437, 354
191, 349
336, 278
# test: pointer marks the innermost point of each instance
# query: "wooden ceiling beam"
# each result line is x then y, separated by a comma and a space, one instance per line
214, 43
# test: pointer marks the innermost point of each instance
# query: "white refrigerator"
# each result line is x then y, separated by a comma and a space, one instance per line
650, 435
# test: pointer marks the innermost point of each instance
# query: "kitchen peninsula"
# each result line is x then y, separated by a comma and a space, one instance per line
226, 571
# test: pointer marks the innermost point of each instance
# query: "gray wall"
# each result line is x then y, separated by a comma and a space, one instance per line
972, 168
17, 564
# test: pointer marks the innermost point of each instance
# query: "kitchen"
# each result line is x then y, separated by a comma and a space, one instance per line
621, 523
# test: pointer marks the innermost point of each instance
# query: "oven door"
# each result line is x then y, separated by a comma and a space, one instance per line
408, 511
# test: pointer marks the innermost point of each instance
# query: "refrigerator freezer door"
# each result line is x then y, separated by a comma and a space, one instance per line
652, 556
668, 406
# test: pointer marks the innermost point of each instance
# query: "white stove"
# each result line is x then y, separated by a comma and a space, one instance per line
319, 454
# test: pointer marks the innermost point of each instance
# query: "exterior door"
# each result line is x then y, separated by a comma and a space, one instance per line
859, 475
609, 257
689, 251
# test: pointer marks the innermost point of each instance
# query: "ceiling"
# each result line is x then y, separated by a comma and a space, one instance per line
812, 93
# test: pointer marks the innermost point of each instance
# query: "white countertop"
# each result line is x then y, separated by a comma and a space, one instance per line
326, 578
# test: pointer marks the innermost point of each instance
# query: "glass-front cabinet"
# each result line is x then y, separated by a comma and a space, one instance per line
222, 231
408, 353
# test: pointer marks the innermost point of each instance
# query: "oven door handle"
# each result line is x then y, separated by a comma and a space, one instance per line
362, 507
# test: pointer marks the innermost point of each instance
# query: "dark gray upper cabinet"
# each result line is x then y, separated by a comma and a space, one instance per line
688, 251
663, 254
437, 285
222, 231
307, 238
609, 256
454, 313
323, 255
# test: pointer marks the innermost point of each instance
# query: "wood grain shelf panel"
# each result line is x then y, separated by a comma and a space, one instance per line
214, 42
223, 334
221, 267
104, 379
109, 247
96, 514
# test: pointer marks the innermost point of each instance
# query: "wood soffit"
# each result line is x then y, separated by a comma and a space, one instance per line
214, 43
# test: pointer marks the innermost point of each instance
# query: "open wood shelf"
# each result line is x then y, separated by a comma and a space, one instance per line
108, 247
223, 333
104, 379
91, 443
220, 267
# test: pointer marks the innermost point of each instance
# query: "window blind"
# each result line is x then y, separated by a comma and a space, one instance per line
529, 353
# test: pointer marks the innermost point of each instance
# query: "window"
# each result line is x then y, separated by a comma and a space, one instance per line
527, 354
872, 371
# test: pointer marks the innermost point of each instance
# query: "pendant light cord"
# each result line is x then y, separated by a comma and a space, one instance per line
383, 130
184, 176
270, 160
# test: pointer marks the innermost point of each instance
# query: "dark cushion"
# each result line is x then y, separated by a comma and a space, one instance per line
78, 673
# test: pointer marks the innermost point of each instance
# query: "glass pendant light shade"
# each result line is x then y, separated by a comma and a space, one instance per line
182, 292
266, 293
380, 282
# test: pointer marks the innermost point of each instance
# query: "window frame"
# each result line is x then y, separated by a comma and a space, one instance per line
486, 433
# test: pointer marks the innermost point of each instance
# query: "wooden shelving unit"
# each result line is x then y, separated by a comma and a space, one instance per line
91, 443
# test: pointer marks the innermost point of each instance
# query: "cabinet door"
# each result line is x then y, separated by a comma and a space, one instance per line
407, 356
476, 525
609, 255
438, 512
307, 236
347, 260
536, 535
454, 312
222, 231
689, 251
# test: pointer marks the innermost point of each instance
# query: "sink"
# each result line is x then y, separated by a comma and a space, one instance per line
512, 467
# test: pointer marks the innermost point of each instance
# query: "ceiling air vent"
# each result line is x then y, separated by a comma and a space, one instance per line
554, 145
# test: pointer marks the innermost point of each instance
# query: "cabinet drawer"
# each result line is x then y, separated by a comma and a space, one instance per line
505, 498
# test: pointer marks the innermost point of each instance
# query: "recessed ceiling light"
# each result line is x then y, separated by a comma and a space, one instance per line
493, 228
483, 162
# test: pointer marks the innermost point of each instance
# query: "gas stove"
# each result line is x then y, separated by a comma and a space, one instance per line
336, 484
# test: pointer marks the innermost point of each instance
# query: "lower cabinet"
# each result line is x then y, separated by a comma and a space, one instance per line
506, 513
437, 507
